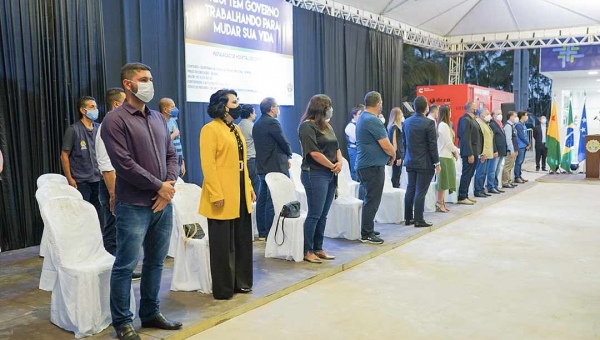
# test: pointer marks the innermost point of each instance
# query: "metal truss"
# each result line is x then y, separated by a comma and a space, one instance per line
409, 34
455, 68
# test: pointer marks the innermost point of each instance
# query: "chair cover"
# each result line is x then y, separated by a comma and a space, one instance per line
254, 227
344, 218
391, 208
80, 300
51, 178
346, 184
291, 232
431, 196
191, 270
46, 192
175, 232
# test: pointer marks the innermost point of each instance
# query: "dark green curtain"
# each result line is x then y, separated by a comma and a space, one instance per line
51, 52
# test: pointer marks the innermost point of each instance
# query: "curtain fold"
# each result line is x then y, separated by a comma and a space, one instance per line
51, 54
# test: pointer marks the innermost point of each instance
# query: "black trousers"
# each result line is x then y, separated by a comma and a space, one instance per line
90, 191
372, 180
468, 170
418, 185
541, 154
230, 243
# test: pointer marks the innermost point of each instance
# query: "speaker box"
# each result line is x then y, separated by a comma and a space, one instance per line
506, 108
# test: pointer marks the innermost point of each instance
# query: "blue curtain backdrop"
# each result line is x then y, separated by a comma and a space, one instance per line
54, 51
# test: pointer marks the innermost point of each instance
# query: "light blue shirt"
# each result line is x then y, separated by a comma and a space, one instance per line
171, 124
369, 130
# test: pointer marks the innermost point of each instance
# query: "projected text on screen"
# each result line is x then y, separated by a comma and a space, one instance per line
240, 44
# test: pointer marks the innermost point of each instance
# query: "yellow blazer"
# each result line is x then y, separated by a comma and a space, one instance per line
488, 138
221, 168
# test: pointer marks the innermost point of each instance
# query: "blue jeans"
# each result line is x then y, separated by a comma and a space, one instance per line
352, 163
109, 231
320, 190
136, 227
492, 179
480, 174
519, 163
498, 170
254, 180
264, 208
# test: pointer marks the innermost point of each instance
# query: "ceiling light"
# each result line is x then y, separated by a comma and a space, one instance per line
591, 73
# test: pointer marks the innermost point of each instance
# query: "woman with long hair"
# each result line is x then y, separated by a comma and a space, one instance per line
227, 197
321, 163
396, 137
448, 154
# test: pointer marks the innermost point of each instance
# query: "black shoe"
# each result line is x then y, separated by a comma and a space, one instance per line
493, 191
423, 224
127, 332
136, 276
376, 233
371, 239
537, 168
480, 195
409, 222
544, 169
508, 186
499, 190
159, 321
243, 290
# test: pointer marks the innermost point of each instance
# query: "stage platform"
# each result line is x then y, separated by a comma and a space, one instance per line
25, 310
565, 178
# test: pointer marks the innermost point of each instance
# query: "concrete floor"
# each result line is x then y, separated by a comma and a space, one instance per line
524, 268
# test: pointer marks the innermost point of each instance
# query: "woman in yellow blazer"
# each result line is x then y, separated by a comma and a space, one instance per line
227, 197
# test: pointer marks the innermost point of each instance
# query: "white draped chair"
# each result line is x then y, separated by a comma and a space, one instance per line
253, 218
51, 178
286, 237
345, 181
80, 300
46, 192
344, 218
391, 208
191, 269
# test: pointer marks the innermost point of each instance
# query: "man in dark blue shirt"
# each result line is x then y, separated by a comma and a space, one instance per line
421, 160
272, 155
145, 162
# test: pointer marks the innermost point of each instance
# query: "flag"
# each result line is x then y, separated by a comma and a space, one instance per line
583, 131
567, 154
552, 140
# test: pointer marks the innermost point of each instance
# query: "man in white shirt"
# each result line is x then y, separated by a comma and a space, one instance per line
351, 139
433, 113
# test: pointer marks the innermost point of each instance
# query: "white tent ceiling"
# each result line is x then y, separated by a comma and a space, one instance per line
450, 18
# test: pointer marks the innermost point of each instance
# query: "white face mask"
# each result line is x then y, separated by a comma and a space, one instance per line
145, 91
515, 120
487, 118
543, 121
382, 118
499, 118
329, 114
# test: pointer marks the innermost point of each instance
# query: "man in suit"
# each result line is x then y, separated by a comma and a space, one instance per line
421, 160
541, 151
471, 147
272, 155
501, 149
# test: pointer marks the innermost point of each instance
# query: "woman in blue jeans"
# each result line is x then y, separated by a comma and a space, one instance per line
321, 162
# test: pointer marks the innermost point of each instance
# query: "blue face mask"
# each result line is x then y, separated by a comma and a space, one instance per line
175, 112
91, 114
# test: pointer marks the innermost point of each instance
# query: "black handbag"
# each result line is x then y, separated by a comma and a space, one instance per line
289, 210
192, 231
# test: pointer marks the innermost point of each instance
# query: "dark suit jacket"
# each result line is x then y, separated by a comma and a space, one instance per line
537, 135
471, 137
420, 142
499, 138
272, 148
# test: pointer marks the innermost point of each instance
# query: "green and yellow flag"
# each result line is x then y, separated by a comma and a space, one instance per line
567, 154
552, 140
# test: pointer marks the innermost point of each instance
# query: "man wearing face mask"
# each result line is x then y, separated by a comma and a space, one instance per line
374, 151
471, 146
167, 107
488, 155
145, 162
350, 131
500, 144
512, 146
273, 152
541, 151
78, 156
